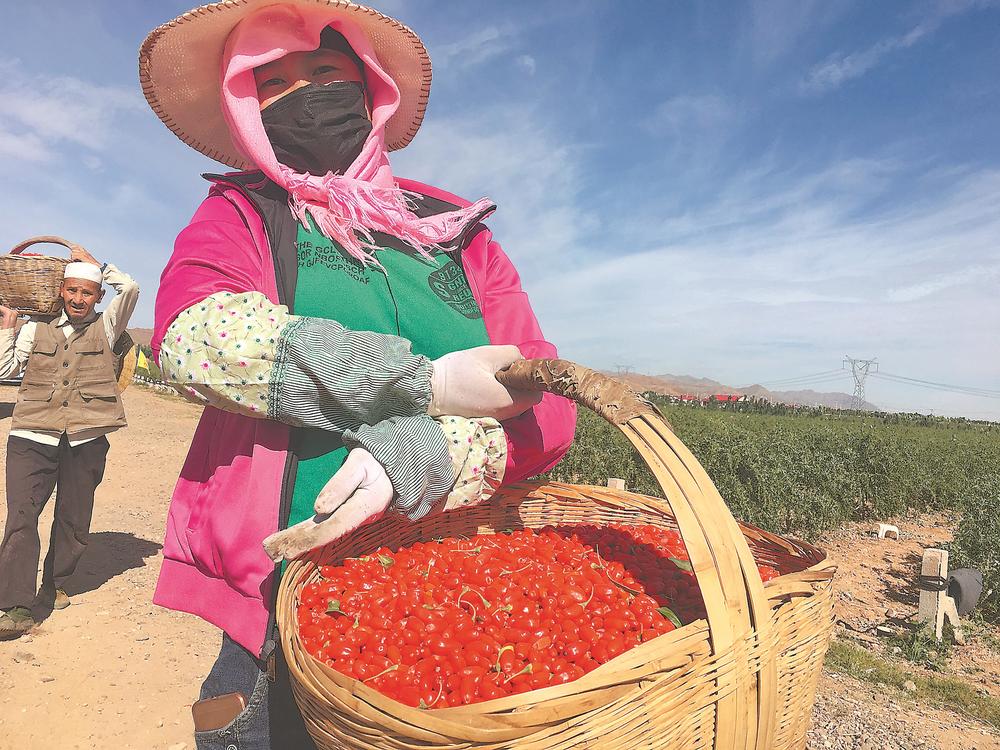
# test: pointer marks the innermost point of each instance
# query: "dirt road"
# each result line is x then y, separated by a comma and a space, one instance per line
113, 671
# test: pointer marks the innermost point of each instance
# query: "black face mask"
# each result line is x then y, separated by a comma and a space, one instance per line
318, 129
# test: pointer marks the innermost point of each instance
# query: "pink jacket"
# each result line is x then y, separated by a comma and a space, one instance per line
227, 497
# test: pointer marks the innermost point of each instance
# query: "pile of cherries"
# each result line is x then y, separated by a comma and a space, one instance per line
463, 620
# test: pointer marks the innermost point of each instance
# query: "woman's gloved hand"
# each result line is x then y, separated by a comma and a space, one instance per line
360, 487
464, 384
360, 492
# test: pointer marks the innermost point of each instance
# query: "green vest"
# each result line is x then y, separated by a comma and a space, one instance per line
426, 301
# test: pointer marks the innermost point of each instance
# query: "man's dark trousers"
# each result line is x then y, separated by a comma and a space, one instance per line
33, 470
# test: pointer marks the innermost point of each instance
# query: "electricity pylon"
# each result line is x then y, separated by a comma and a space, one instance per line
860, 369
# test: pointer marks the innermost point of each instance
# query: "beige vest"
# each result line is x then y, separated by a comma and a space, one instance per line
69, 383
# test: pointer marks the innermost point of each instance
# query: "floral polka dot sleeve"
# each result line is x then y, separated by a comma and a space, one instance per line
244, 354
478, 450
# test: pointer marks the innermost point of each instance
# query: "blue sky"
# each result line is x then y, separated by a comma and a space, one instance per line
743, 191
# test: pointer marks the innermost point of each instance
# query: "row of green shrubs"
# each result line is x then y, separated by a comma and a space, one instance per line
801, 475
977, 543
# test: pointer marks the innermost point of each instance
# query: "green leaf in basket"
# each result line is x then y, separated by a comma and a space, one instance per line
682, 564
669, 614
333, 607
386, 561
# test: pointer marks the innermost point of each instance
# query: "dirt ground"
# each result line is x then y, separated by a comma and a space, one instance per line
875, 588
114, 671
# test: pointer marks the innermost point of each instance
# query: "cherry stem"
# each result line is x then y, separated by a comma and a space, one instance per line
467, 589
503, 608
604, 567
459, 602
525, 670
438, 696
506, 572
390, 668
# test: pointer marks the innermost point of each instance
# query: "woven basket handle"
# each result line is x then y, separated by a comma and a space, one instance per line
609, 398
45, 238
720, 557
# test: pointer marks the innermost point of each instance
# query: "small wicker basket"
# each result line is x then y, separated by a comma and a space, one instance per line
744, 677
30, 283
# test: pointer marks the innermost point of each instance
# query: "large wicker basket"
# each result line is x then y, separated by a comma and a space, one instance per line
744, 677
30, 283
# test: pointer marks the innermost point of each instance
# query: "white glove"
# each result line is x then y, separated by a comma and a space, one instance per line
464, 384
359, 493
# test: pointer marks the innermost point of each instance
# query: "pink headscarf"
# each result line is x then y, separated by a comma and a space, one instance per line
346, 208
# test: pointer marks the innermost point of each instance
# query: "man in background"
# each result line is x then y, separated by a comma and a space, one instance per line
67, 404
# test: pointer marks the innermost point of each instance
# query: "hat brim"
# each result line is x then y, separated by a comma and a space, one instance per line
180, 64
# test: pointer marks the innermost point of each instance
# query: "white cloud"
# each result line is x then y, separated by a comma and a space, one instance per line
941, 282
782, 295
692, 132
842, 67
689, 111
778, 26
509, 154
474, 48
527, 63
48, 110
23, 146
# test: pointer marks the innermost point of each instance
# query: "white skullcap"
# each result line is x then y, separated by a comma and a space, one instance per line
87, 271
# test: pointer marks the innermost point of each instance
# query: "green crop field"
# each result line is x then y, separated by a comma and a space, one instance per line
801, 473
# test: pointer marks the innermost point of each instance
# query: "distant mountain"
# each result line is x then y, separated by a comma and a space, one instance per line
832, 400
676, 385
689, 382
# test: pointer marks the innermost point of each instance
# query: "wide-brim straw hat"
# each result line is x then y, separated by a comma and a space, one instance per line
180, 67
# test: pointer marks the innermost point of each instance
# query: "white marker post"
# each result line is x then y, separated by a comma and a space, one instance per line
935, 604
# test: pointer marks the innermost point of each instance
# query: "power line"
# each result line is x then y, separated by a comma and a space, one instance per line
979, 393
917, 381
803, 377
809, 383
839, 377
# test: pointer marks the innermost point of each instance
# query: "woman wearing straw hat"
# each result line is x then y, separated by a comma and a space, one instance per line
343, 325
